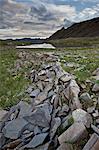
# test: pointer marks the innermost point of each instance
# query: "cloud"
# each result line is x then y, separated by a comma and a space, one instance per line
88, 13
40, 17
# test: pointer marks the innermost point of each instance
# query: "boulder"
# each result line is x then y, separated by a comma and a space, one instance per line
81, 116
14, 128
73, 134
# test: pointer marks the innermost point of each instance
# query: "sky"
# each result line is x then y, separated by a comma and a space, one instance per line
41, 18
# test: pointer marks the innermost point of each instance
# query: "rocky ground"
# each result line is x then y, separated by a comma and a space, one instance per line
60, 114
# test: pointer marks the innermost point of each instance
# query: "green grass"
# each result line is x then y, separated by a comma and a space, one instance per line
76, 42
88, 61
11, 86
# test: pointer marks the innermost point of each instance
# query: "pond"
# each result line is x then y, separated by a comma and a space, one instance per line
37, 46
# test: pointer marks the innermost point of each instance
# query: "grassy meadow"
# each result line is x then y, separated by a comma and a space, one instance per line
79, 57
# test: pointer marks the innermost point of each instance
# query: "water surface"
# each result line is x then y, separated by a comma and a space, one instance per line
37, 46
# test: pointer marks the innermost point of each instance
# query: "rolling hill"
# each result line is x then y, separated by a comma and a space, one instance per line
89, 28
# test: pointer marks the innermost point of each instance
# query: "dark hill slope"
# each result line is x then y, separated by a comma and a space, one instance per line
89, 28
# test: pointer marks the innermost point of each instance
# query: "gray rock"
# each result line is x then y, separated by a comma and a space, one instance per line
50, 74
64, 111
95, 88
37, 130
14, 128
37, 140
30, 127
65, 108
66, 77
51, 93
42, 147
68, 120
2, 140
47, 108
34, 93
29, 90
27, 135
85, 96
42, 72
96, 145
40, 85
90, 110
38, 118
25, 109
73, 134
55, 101
96, 72
82, 116
45, 129
95, 114
91, 142
65, 146
3, 113
55, 125
41, 97
73, 91
97, 121
42, 77
95, 129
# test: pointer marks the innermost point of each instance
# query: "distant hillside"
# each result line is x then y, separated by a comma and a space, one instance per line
89, 28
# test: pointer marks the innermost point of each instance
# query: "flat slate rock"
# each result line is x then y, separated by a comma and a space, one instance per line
14, 128
47, 108
37, 140
2, 140
73, 134
56, 124
38, 118
96, 145
94, 138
